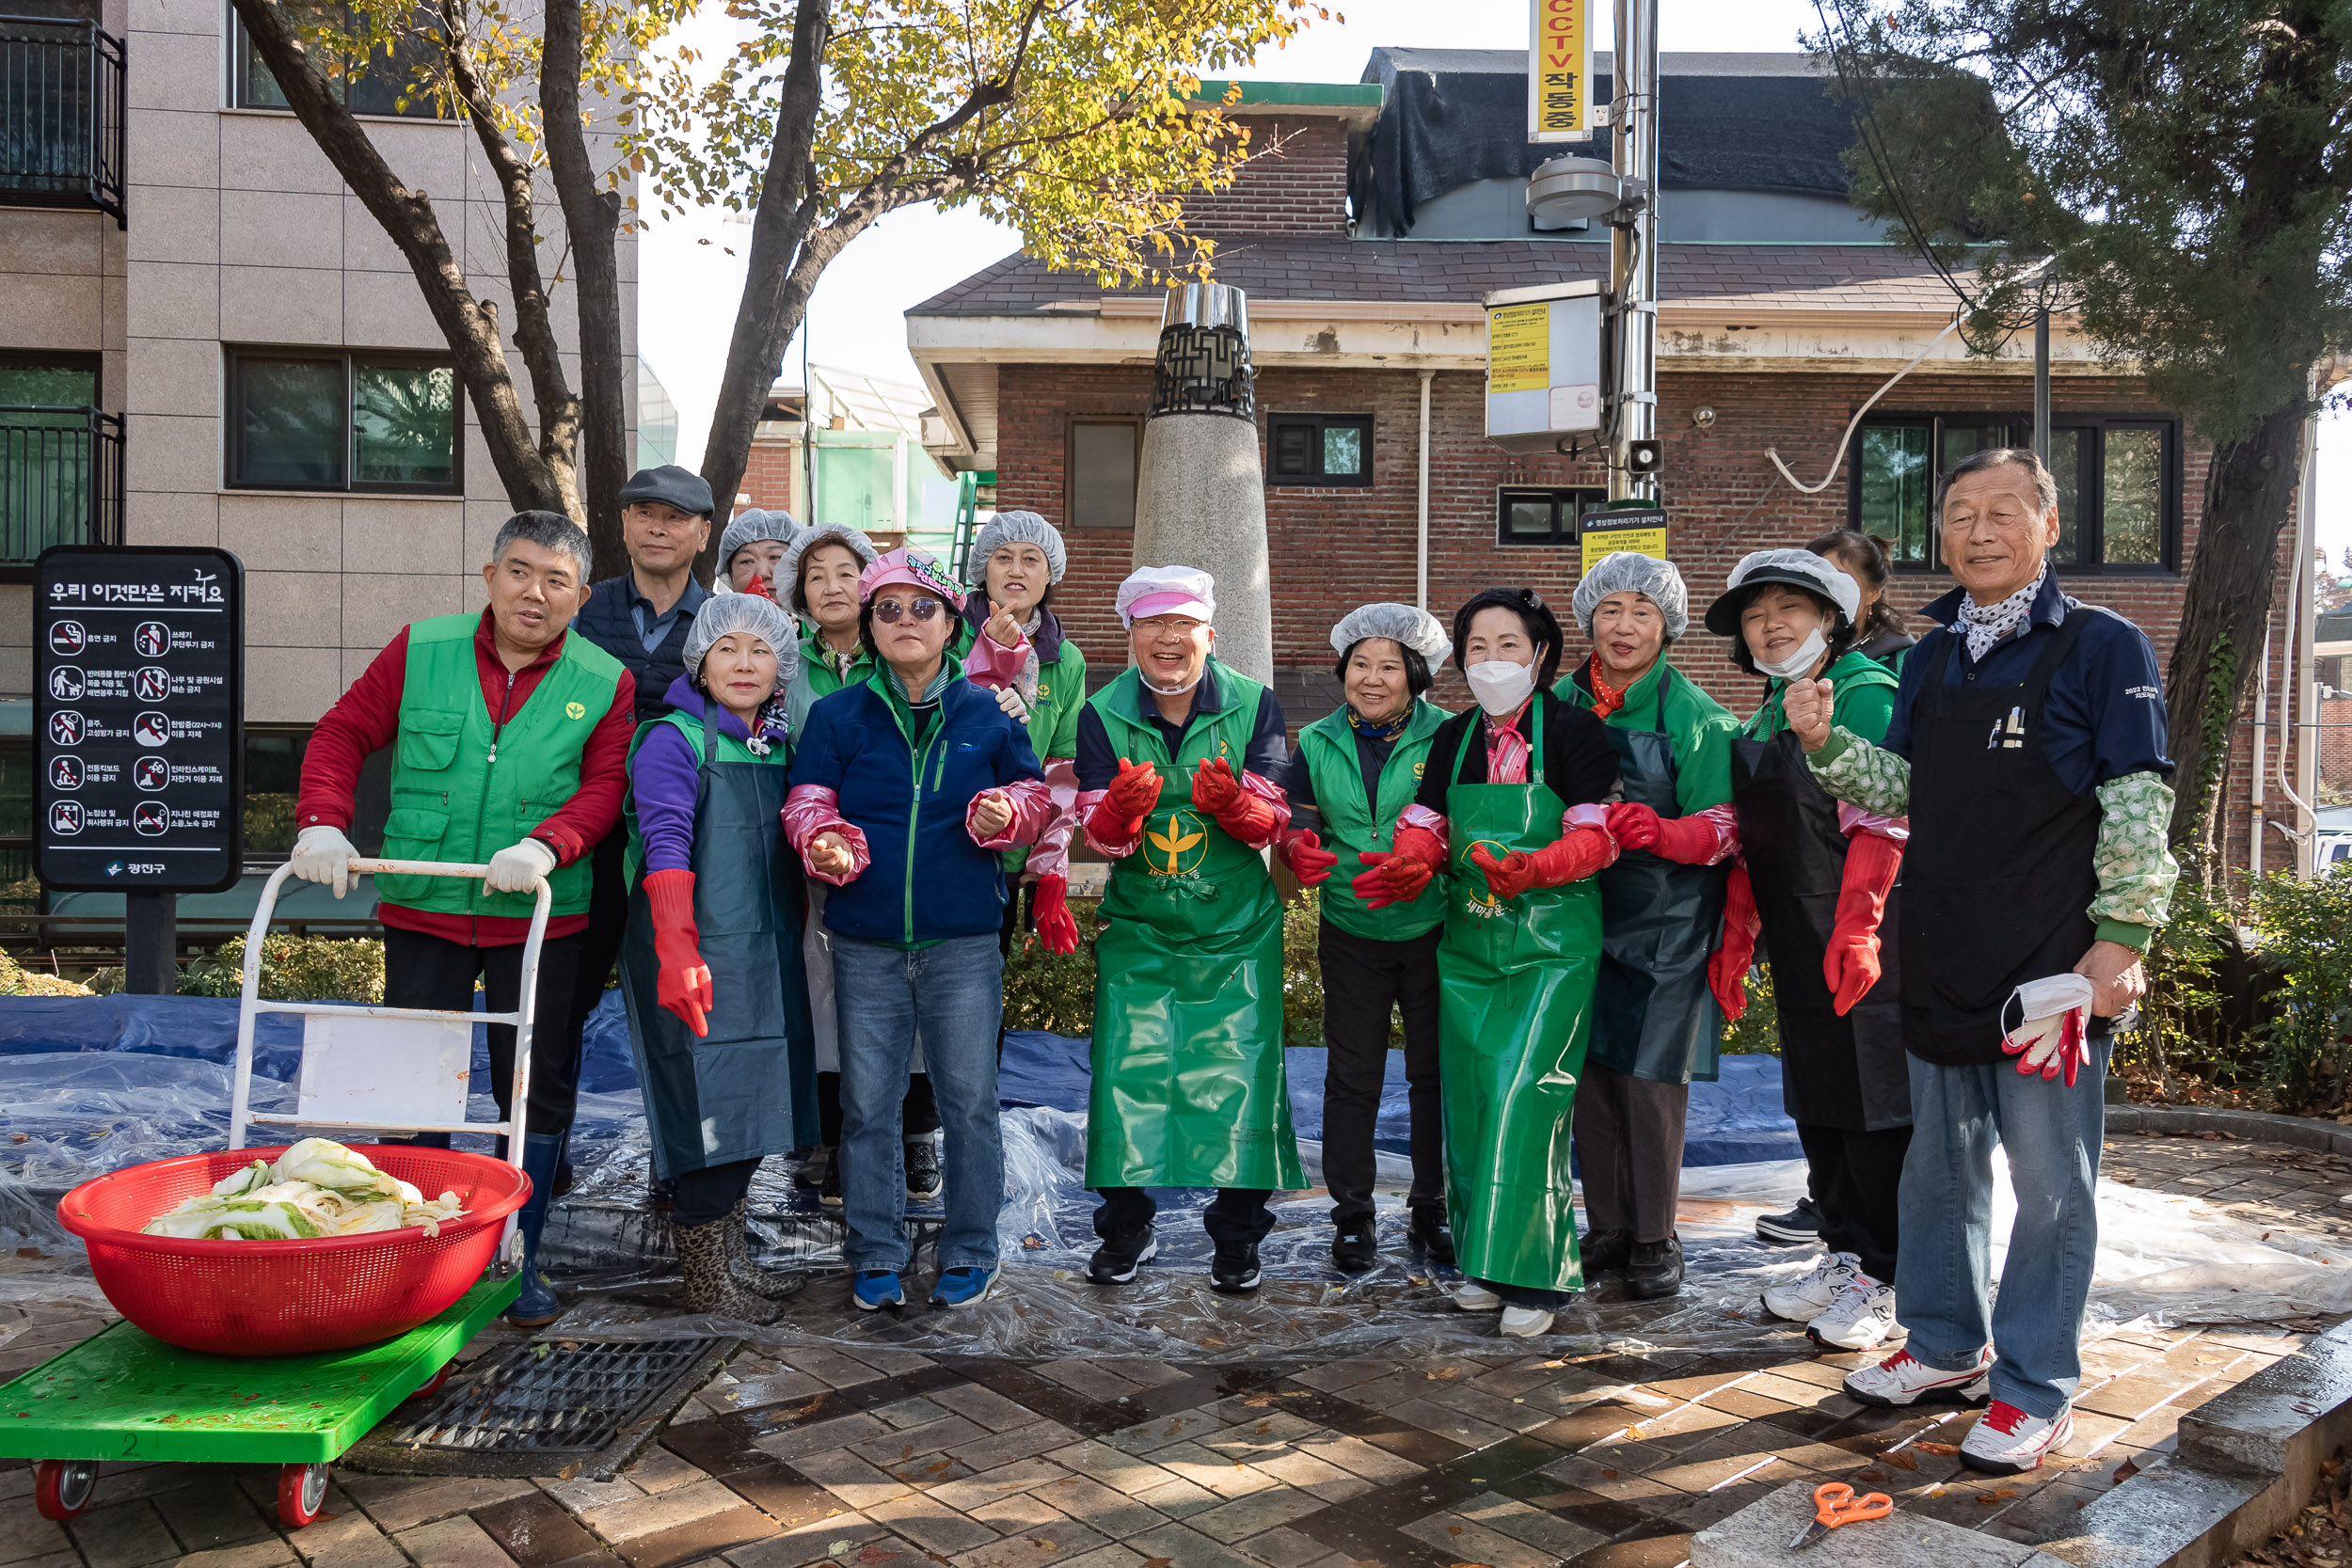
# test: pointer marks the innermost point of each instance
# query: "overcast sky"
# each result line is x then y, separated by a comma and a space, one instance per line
690, 284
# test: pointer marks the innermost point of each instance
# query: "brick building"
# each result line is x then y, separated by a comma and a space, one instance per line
1365, 236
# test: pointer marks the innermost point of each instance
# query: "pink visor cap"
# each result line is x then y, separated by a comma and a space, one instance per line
912, 567
1166, 590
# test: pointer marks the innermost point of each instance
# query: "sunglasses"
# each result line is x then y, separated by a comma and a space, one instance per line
889, 612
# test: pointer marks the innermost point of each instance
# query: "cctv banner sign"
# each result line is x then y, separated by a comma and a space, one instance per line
1560, 71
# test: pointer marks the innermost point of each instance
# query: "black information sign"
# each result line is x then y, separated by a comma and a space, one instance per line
139, 669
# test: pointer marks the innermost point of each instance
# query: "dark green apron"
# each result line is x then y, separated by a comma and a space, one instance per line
1515, 1006
749, 1087
1188, 1053
1653, 1015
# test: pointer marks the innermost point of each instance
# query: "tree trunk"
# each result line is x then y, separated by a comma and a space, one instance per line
2249, 491
593, 219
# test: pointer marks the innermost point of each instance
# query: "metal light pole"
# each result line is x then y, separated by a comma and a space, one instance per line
1633, 246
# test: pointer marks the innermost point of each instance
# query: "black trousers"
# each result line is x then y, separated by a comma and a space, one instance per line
1855, 1179
711, 1192
421, 971
1362, 979
920, 1111
1629, 1148
1236, 1214
608, 918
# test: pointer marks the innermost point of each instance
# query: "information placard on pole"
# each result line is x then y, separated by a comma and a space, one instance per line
1640, 531
138, 661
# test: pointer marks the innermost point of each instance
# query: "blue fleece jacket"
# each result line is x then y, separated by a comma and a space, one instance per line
926, 881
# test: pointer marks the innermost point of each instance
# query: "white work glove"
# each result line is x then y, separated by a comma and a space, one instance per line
1010, 700
518, 867
2052, 1038
325, 855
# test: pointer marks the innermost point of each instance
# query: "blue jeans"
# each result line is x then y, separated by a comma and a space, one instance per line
1943, 1274
954, 992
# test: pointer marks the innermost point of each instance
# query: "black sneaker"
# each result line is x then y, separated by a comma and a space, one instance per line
811, 1171
1430, 1232
922, 1169
1234, 1270
1799, 1227
1116, 1260
828, 1185
1604, 1251
1654, 1271
1353, 1248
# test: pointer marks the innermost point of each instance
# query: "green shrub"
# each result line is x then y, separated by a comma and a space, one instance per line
2302, 927
1757, 1031
1054, 992
293, 968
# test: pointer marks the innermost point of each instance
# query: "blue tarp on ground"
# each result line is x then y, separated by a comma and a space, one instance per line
1732, 1121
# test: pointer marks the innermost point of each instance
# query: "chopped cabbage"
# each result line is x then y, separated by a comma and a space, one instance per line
317, 1188
237, 1183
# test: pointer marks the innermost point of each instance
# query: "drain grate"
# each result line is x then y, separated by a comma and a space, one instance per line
538, 1409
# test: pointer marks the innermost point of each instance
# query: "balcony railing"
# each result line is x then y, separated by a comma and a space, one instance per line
61, 482
61, 121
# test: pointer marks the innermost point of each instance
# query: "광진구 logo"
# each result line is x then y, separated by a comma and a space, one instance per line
1480, 899
1177, 847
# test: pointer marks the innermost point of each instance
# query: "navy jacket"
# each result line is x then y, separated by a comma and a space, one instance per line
925, 881
605, 619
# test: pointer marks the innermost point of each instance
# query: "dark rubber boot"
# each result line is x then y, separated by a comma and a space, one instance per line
537, 1305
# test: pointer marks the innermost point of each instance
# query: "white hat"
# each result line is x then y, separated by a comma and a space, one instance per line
1401, 624
1166, 590
1797, 568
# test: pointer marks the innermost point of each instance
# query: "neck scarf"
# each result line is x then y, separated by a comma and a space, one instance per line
1387, 729
1607, 699
1506, 749
1985, 624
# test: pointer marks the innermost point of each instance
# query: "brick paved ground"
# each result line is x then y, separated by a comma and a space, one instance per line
806, 1452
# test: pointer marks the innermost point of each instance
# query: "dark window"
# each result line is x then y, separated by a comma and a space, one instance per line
1102, 471
311, 421
1524, 517
273, 780
2119, 484
382, 84
1318, 448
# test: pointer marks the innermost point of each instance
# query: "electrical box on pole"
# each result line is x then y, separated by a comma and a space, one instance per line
1543, 365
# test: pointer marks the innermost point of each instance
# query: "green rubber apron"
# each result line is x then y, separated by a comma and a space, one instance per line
1653, 1015
1188, 1083
1515, 1008
749, 1087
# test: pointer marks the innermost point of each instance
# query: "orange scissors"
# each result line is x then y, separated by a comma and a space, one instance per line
1834, 1504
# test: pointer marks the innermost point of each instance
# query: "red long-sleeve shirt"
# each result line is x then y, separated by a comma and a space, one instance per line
366, 719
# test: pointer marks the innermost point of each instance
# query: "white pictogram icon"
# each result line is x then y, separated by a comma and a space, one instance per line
66, 637
66, 728
65, 772
65, 683
65, 818
152, 640
150, 729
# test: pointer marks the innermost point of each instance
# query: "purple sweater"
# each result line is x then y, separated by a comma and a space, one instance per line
664, 774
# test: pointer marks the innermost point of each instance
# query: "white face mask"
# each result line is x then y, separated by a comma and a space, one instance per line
1808, 654
1500, 685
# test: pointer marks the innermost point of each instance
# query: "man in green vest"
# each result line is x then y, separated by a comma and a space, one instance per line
511, 745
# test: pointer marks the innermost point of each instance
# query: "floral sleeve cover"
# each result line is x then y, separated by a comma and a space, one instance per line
2134, 859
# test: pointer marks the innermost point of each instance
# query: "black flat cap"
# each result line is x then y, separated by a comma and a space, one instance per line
672, 486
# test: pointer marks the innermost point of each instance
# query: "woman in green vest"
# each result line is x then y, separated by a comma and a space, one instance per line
1655, 1027
1019, 645
1177, 763
1513, 813
1357, 769
711, 976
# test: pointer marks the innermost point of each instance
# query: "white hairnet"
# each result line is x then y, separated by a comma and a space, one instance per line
1626, 571
724, 614
750, 529
1401, 624
1016, 527
789, 574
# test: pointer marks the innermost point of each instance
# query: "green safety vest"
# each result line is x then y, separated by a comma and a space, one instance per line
1351, 826
465, 786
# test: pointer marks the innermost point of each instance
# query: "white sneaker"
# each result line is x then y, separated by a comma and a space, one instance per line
1470, 1296
1526, 1323
2008, 1442
1805, 1298
1862, 1318
1902, 1379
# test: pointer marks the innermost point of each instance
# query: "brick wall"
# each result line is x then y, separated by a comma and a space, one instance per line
1293, 182
768, 477
2335, 742
1335, 548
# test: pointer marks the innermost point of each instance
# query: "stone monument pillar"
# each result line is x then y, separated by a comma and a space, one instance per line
1200, 485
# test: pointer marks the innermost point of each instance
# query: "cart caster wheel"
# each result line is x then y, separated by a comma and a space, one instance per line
433, 1384
62, 1487
301, 1493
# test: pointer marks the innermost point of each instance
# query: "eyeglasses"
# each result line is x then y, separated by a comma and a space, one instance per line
1157, 626
889, 610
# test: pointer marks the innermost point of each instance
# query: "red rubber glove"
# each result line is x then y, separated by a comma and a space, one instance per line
1049, 906
1309, 861
1249, 818
1570, 858
1852, 964
1727, 971
1686, 840
1117, 817
683, 983
1398, 878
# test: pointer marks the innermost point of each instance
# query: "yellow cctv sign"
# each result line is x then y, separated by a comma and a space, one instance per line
1518, 348
1560, 70
1641, 531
